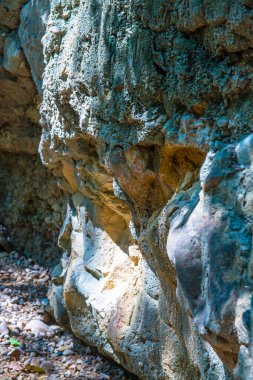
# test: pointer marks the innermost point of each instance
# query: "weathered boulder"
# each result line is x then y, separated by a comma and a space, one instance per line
135, 96
146, 120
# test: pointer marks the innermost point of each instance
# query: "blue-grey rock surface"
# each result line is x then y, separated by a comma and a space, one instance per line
146, 117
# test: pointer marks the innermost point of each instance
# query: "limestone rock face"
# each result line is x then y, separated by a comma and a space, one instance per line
136, 95
34, 17
30, 200
146, 117
210, 245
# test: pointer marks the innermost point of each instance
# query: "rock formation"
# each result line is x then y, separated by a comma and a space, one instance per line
146, 117
31, 202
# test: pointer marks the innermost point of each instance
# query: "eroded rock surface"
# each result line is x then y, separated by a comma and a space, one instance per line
146, 120
30, 201
211, 245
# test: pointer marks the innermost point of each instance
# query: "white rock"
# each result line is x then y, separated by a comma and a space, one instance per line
3, 328
68, 352
38, 327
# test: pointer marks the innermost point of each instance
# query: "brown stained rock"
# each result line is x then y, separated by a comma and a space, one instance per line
199, 109
135, 94
149, 176
68, 173
35, 366
46, 317
15, 354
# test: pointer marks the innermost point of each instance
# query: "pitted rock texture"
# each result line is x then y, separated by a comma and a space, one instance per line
211, 244
136, 95
146, 119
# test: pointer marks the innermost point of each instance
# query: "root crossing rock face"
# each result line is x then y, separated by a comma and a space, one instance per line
146, 123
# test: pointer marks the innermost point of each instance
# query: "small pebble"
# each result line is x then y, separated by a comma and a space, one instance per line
3, 327
15, 354
68, 352
44, 301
